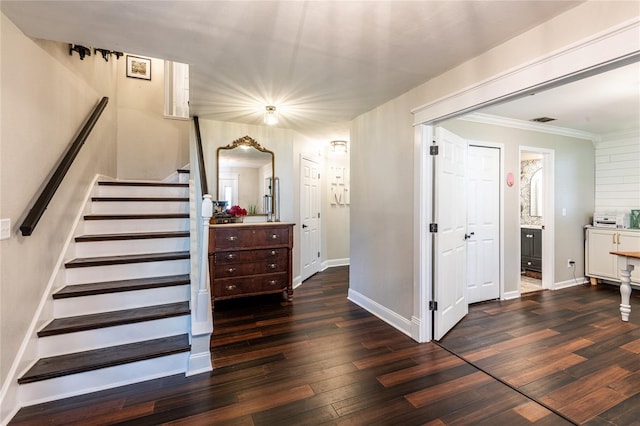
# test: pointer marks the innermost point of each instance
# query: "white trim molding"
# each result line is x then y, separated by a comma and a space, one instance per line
385, 314
607, 49
478, 117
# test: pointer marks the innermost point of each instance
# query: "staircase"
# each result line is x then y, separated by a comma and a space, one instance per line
123, 313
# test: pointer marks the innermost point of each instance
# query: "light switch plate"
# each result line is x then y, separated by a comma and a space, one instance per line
5, 229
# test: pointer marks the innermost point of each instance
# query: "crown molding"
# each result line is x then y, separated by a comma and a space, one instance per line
495, 120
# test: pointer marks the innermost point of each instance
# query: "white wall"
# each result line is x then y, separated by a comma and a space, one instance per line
46, 97
150, 146
382, 154
618, 173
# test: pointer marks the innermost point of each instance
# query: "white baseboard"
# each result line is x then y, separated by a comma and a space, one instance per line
570, 283
509, 295
345, 261
385, 314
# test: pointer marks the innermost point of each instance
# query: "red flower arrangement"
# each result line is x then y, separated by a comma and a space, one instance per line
237, 211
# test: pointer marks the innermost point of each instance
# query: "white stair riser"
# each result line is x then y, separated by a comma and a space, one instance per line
84, 305
124, 247
126, 271
183, 177
141, 191
139, 207
92, 227
112, 336
105, 378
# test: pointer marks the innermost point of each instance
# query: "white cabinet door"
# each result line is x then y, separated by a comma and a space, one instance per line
600, 263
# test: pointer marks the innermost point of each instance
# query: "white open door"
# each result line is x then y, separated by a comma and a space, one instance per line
450, 262
483, 223
309, 214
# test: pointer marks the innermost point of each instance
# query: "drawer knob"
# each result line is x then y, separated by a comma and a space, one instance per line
272, 266
528, 263
529, 235
231, 256
232, 238
274, 237
231, 287
273, 252
231, 270
273, 282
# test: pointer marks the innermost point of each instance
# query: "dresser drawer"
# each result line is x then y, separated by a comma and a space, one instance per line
250, 268
238, 237
241, 256
230, 287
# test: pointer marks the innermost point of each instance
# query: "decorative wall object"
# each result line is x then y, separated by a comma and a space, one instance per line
138, 67
339, 186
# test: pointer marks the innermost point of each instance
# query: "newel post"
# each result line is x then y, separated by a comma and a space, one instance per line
203, 299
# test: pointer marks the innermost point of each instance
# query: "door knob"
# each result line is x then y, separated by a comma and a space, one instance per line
304, 226
469, 235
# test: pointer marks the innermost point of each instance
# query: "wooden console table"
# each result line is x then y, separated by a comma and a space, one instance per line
627, 260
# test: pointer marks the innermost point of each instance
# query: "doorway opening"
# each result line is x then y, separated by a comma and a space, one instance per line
536, 218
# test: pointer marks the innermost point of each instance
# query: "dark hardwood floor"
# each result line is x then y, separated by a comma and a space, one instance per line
322, 360
568, 349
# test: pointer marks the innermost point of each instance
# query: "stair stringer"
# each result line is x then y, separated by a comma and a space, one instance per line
15, 396
10, 394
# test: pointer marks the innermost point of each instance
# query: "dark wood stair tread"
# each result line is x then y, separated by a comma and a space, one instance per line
136, 216
135, 183
137, 199
124, 259
106, 287
79, 362
110, 319
131, 236
184, 171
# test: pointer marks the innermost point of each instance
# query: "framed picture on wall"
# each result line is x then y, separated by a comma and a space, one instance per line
138, 67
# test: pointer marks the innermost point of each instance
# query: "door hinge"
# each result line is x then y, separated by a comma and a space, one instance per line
318, 254
433, 227
433, 305
318, 215
433, 150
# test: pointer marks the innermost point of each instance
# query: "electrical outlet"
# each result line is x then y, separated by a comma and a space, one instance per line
571, 263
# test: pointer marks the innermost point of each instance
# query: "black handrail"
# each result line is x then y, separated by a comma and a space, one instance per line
203, 174
36, 212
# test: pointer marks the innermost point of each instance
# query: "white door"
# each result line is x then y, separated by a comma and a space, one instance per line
310, 217
483, 223
450, 244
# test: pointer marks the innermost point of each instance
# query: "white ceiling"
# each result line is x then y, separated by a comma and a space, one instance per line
322, 63
603, 104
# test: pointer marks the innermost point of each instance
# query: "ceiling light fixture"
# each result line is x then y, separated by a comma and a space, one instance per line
270, 116
339, 146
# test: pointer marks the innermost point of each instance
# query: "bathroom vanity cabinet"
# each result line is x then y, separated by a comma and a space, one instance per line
531, 249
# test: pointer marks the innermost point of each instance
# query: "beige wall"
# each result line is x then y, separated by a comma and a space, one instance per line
150, 146
336, 216
382, 154
574, 172
46, 97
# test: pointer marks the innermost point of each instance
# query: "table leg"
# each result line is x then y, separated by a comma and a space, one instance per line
625, 292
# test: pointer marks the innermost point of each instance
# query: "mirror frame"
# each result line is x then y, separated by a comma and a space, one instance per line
538, 194
246, 141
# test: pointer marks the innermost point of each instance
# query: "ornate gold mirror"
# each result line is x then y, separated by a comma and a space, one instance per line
245, 171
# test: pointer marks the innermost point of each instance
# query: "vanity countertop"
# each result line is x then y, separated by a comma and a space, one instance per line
531, 226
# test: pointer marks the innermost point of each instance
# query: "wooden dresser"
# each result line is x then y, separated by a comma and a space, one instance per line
250, 259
